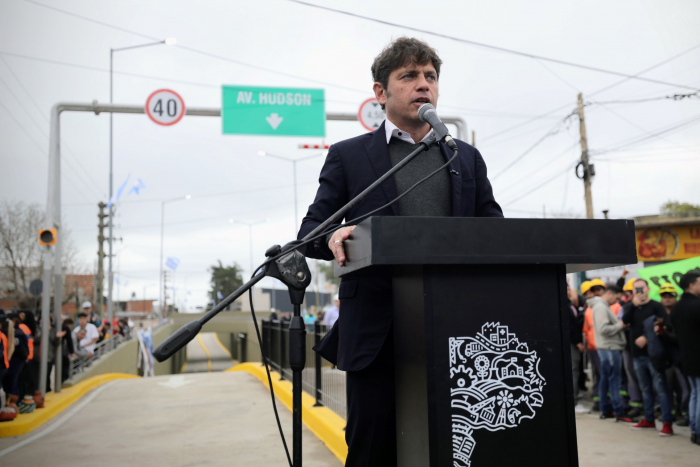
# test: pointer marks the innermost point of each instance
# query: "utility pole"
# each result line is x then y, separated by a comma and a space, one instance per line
164, 311
100, 256
588, 169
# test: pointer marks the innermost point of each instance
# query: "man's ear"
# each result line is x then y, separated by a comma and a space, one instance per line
379, 93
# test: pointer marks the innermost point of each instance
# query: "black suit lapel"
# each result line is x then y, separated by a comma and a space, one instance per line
455, 179
378, 153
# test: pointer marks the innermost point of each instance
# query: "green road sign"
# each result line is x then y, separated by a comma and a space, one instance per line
249, 110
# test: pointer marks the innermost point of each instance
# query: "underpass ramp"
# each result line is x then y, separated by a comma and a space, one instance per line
213, 419
206, 353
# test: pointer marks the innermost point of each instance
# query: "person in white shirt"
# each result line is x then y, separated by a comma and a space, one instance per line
91, 334
331, 314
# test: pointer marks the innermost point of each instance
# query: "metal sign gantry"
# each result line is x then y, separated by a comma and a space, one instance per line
52, 257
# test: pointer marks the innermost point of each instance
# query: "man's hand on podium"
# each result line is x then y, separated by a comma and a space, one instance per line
336, 243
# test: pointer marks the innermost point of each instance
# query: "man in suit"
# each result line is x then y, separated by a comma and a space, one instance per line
406, 76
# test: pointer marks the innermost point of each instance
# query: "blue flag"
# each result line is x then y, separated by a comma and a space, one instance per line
137, 186
115, 197
172, 263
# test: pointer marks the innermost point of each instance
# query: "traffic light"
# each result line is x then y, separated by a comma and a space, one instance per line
47, 237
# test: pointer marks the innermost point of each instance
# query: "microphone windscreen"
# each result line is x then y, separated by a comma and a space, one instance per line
423, 111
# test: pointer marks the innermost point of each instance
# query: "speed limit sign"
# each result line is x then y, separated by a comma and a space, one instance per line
165, 107
371, 114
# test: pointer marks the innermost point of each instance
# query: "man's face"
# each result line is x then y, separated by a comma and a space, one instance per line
589, 294
337, 303
598, 291
81, 334
409, 87
82, 321
668, 300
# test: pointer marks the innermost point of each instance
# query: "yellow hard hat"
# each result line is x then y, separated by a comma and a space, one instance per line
585, 286
668, 288
629, 286
599, 283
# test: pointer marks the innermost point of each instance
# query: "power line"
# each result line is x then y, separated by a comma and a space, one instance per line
539, 169
629, 142
239, 62
489, 46
464, 110
105, 70
551, 132
46, 119
41, 150
205, 195
674, 97
645, 130
521, 196
194, 50
603, 89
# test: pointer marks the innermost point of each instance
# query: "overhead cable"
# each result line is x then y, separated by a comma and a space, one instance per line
556, 129
674, 97
489, 46
603, 89
635, 140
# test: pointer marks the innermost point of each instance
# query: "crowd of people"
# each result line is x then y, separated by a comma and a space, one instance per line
644, 355
327, 316
20, 351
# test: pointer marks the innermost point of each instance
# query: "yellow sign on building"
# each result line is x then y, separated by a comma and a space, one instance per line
668, 242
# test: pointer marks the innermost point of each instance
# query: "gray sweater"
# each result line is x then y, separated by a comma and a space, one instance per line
609, 334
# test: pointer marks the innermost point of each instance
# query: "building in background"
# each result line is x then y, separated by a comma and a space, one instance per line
665, 238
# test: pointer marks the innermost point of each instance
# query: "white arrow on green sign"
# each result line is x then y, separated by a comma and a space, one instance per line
249, 110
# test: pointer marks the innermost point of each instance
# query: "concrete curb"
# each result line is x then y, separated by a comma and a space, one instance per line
324, 423
55, 404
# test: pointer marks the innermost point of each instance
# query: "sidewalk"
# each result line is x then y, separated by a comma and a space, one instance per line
606, 443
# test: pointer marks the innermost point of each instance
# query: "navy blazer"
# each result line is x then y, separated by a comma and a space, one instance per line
365, 295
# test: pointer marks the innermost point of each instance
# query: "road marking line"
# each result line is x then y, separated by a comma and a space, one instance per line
216, 337
206, 351
63, 420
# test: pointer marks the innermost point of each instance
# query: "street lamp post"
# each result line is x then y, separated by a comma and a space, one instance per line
161, 293
110, 276
250, 236
294, 166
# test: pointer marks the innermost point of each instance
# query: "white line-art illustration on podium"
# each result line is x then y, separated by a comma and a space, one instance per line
495, 385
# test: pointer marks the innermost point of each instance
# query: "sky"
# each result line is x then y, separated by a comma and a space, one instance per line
645, 153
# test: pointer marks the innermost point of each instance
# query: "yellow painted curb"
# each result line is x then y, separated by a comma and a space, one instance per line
322, 421
216, 337
206, 351
55, 404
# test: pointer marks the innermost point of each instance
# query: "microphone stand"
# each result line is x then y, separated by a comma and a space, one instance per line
289, 266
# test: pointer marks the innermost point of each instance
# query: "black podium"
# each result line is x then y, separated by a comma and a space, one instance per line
483, 366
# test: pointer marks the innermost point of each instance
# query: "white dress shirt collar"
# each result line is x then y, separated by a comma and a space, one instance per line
392, 131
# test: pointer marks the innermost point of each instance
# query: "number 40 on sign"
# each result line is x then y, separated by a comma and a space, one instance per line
165, 107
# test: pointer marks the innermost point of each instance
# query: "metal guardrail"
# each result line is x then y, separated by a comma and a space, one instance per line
320, 378
79, 365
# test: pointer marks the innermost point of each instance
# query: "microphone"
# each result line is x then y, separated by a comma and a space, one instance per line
428, 114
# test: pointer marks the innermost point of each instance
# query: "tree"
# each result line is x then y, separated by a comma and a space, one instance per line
20, 253
224, 280
676, 207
